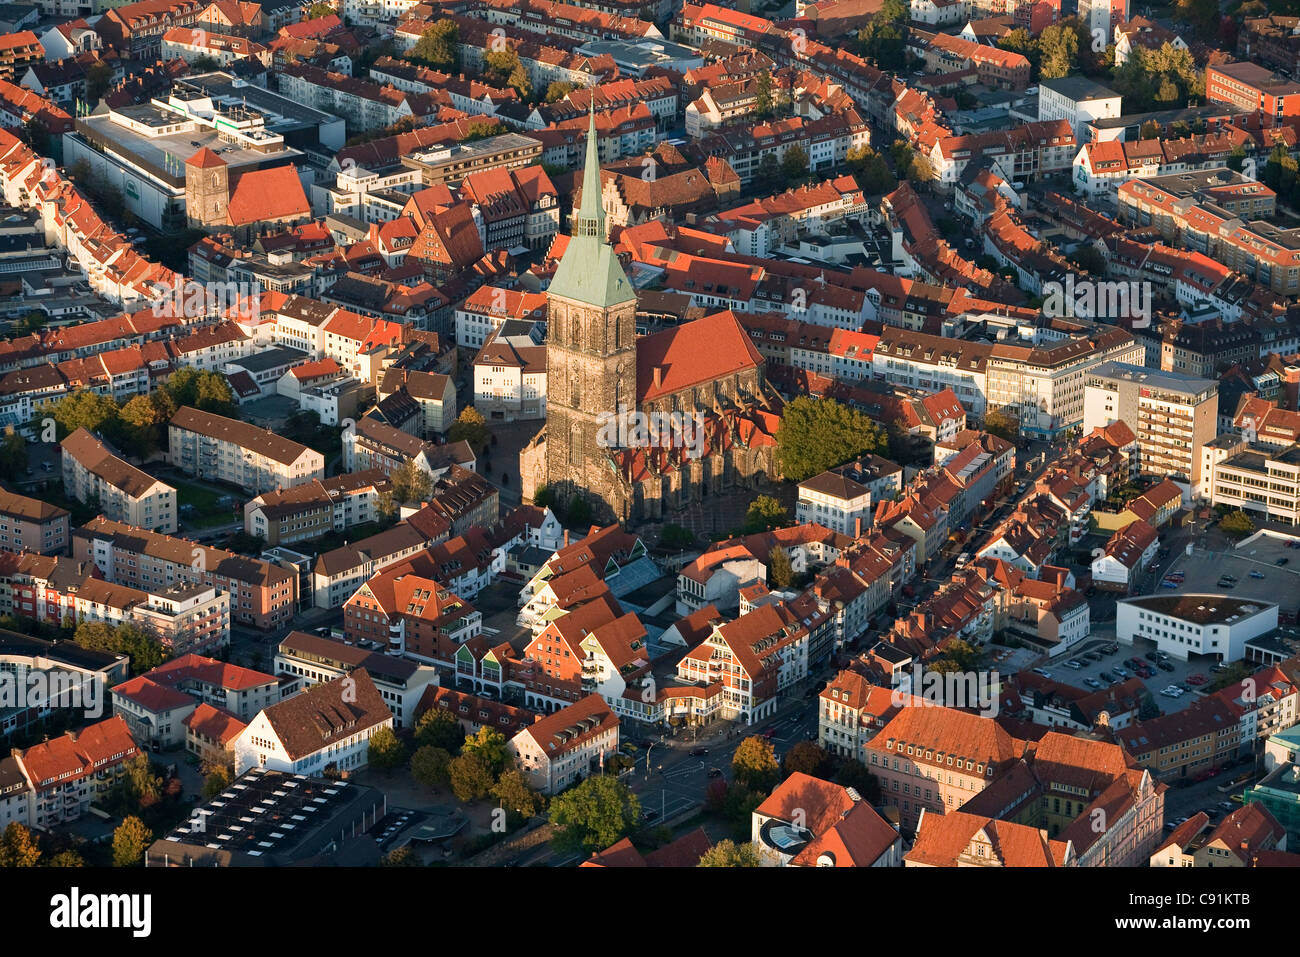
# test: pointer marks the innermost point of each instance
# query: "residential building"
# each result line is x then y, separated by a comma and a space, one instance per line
214, 447
92, 473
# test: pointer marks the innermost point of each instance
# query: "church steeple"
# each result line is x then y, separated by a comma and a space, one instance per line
590, 219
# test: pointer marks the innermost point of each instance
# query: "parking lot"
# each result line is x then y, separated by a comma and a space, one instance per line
1109, 663
1270, 580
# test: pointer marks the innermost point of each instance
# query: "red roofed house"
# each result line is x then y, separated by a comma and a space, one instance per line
1125, 557
68, 773
808, 822
566, 746
210, 735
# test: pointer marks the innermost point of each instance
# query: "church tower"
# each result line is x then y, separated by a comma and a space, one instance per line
207, 190
590, 354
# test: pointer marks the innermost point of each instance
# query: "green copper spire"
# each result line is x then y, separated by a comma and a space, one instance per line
590, 220
589, 272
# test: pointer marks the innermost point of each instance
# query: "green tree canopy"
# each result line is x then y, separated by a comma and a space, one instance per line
439, 728
765, 512
471, 778
779, 570
819, 434
597, 813
490, 746
386, 751
145, 651
727, 853
516, 794
437, 47
431, 766
471, 427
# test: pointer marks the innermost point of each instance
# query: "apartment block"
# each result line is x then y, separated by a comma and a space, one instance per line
30, 525
91, 472
262, 595
1173, 415
227, 450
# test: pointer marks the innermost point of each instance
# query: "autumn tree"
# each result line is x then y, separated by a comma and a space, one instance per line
489, 745
18, 847
471, 427
516, 795
754, 764
130, 841
805, 757
216, 782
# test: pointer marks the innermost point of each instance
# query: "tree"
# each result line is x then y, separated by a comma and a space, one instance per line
779, 570
471, 427
204, 64
884, 39
597, 813
1058, 51
81, 410
498, 65
854, 774
489, 745
439, 728
13, 454
482, 129
577, 513
520, 81
130, 840
754, 765
67, 858
1002, 425
1236, 524
1237, 158
400, 857
763, 95
769, 170
765, 512
1201, 15
794, 164
98, 79
214, 395
430, 766
727, 853
819, 434
319, 9
471, 779
515, 794
672, 536
18, 848
871, 170
412, 485
558, 90
141, 427
437, 46
145, 651
805, 757
1087, 258
386, 752
216, 782
142, 785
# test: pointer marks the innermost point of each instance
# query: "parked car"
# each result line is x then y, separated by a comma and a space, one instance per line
715, 772
1256, 574
1283, 561
1092, 683
1197, 679
1164, 666
1121, 672
1043, 672
1074, 664
1107, 677
698, 752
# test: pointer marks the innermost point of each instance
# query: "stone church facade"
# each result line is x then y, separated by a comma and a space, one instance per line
706, 373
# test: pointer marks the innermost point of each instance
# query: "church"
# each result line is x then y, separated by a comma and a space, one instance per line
705, 372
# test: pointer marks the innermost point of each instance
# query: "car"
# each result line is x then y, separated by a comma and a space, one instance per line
648, 815
1228, 578
1227, 806
1228, 585
1170, 825
1164, 666
1170, 693
698, 752
715, 772
1218, 668
1282, 561
1169, 584
1042, 672
1134, 662
1256, 574
1092, 683
1152, 656
1197, 679
1107, 677
1122, 673
769, 733
1074, 665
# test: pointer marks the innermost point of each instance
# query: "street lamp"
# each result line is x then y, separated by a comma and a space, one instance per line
647, 761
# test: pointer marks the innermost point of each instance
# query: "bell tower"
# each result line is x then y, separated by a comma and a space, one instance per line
590, 353
207, 190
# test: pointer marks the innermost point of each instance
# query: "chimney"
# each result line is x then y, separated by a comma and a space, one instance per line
857, 527
566, 537
658, 377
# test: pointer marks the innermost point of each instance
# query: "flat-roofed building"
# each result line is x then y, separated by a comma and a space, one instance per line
1186, 625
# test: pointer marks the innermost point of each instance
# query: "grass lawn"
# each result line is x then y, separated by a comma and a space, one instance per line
208, 510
